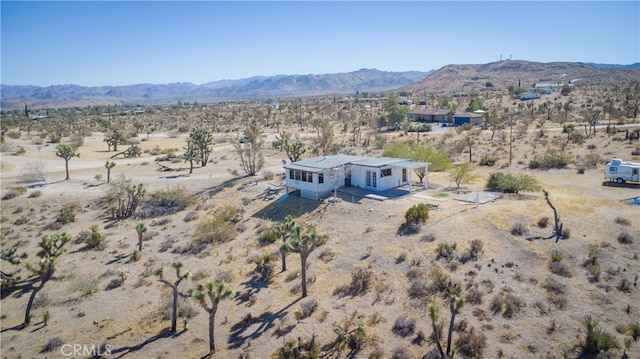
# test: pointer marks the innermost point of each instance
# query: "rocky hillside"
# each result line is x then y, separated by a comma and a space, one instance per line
511, 72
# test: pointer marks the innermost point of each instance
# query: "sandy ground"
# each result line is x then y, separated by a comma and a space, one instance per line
130, 318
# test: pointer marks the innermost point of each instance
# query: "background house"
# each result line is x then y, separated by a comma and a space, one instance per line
425, 115
460, 118
315, 178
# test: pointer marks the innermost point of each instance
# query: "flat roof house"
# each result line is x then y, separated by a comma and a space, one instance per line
425, 115
316, 177
461, 118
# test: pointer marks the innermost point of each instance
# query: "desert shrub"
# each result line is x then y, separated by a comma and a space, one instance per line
474, 295
592, 160
418, 213
554, 286
634, 330
41, 300
625, 238
543, 222
623, 221
596, 340
418, 288
349, 336
264, 265
35, 194
488, 161
217, 227
86, 287
34, 172
190, 216
361, 280
404, 326
20, 151
446, 250
508, 183
624, 285
471, 344
15, 192
429, 237
13, 134
21, 220
165, 201
53, 344
269, 236
302, 348
556, 256
401, 257
326, 255
559, 268
476, 248
268, 175
506, 303
92, 237
566, 233
549, 160
519, 229
67, 213
306, 309
400, 353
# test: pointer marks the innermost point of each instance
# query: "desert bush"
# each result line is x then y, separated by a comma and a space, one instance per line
543, 222
471, 344
165, 201
474, 295
429, 237
20, 151
566, 233
127, 196
217, 227
549, 160
488, 161
506, 303
326, 255
67, 213
15, 192
623, 221
361, 280
596, 340
86, 287
446, 250
559, 268
53, 344
34, 172
41, 300
92, 237
418, 288
14, 134
268, 175
592, 160
264, 265
476, 248
404, 326
302, 348
21, 220
634, 330
625, 238
269, 236
519, 229
401, 257
400, 353
35, 194
508, 183
418, 213
306, 309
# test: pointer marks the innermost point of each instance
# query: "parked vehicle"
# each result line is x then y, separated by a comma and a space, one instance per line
622, 171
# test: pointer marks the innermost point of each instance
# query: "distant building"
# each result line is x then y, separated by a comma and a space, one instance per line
529, 96
426, 115
460, 118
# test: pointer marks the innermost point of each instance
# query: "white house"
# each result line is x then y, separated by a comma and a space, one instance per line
316, 177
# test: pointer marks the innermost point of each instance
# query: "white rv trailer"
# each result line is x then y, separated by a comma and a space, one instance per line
622, 171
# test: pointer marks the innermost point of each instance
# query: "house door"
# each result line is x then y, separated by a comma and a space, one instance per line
634, 175
347, 180
371, 180
404, 175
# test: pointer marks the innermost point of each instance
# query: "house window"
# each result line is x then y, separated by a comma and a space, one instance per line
385, 172
303, 176
371, 180
613, 169
320, 178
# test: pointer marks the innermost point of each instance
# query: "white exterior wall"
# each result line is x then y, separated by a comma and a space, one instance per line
359, 176
311, 190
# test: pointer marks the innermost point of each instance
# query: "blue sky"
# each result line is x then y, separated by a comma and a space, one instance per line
121, 43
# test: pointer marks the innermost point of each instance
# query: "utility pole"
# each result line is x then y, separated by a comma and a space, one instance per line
510, 138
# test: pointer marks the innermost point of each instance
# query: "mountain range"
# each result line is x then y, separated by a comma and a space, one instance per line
450, 78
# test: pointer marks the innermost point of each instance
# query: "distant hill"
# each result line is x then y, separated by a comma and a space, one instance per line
363, 80
502, 74
614, 66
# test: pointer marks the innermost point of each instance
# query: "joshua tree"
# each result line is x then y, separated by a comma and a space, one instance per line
284, 229
455, 304
469, 142
295, 150
557, 228
304, 241
117, 137
140, 228
202, 138
51, 247
191, 154
434, 314
215, 291
66, 152
174, 288
250, 152
109, 165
